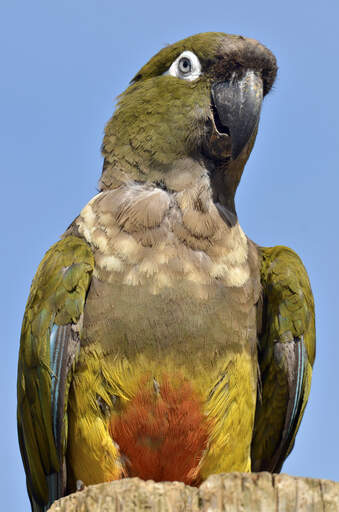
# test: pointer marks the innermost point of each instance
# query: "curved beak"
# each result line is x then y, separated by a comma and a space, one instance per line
237, 105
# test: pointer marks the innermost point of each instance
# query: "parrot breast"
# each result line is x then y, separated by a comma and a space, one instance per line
144, 236
169, 331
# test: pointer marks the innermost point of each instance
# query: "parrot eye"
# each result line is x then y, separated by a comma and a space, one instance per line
186, 66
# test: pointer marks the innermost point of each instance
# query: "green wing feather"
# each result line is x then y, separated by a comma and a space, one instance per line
286, 356
56, 302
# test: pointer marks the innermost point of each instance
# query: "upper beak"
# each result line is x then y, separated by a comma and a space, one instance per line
237, 108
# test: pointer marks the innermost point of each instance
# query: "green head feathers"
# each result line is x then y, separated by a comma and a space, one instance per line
199, 98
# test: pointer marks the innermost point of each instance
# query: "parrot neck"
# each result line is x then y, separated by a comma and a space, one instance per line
184, 174
224, 179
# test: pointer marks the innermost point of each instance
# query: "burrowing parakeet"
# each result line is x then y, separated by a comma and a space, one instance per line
158, 340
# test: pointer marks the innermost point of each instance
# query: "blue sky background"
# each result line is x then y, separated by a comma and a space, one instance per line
62, 65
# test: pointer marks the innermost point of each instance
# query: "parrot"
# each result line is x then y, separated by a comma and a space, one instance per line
158, 340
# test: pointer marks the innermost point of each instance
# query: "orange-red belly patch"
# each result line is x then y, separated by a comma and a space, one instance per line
162, 433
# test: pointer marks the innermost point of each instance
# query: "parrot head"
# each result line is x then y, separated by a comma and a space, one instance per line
194, 107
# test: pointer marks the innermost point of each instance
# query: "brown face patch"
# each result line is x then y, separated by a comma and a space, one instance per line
163, 431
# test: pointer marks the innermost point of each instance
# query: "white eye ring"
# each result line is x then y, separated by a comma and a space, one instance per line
186, 66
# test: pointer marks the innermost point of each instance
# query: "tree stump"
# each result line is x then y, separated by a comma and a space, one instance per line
231, 492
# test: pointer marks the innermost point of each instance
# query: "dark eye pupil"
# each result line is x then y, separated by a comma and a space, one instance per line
185, 65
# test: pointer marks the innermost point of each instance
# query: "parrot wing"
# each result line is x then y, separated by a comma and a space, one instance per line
49, 344
286, 356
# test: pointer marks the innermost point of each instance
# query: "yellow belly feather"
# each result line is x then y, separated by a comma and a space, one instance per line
103, 386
